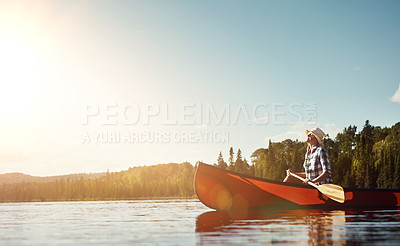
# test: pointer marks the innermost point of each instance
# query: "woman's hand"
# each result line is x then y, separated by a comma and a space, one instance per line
306, 180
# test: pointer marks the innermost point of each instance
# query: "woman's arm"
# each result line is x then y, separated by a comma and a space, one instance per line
321, 177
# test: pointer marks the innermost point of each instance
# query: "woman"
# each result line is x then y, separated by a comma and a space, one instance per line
316, 164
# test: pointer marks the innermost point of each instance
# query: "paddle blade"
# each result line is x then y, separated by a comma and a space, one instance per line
334, 192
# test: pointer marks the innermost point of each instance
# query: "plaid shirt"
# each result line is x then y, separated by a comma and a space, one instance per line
317, 163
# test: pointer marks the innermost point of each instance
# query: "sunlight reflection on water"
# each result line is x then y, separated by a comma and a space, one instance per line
184, 222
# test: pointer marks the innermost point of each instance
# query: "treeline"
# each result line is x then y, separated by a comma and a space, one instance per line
270, 162
368, 159
237, 165
164, 180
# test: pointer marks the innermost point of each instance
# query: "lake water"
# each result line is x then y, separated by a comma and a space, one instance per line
188, 222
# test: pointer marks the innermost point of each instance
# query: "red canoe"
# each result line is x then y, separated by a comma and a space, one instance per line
220, 189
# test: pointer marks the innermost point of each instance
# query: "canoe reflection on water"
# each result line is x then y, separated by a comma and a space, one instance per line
309, 226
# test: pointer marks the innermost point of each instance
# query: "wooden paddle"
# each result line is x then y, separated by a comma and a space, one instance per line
334, 192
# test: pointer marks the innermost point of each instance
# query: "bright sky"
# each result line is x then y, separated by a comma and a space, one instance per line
84, 82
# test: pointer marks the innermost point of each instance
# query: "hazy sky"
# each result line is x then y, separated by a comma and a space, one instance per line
88, 86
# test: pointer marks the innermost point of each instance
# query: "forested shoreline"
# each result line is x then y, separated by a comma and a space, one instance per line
369, 158
163, 180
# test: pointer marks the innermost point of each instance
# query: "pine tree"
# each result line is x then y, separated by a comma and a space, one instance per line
249, 169
221, 162
239, 162
231, 160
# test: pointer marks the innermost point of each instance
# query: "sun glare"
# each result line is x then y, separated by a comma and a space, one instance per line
17, 75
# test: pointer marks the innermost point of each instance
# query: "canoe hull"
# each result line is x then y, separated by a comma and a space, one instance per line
220, 189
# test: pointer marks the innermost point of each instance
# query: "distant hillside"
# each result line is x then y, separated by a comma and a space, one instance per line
12, 178
163, 180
